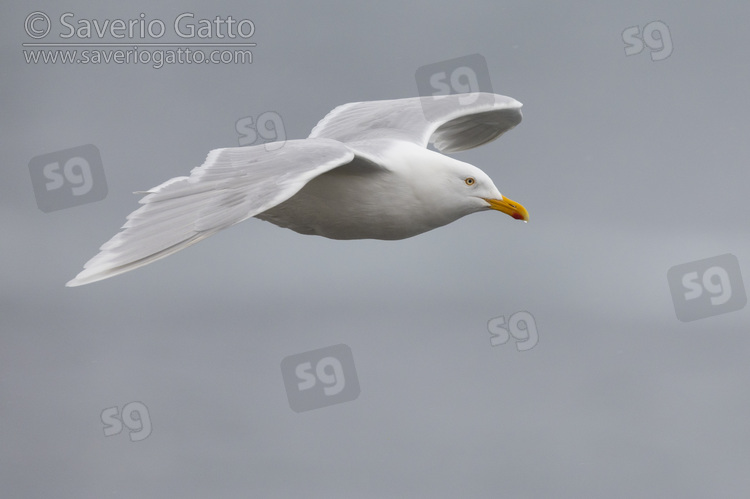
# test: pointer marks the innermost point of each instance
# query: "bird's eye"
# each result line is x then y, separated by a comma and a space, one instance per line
469, 180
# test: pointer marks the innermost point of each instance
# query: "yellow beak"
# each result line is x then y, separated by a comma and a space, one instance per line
509, 207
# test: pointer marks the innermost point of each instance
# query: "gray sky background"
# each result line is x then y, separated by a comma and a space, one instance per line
628, 167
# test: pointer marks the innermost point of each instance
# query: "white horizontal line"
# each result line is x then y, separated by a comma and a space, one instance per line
139, 44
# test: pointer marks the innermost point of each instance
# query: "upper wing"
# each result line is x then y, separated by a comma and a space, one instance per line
451, 122
233, 184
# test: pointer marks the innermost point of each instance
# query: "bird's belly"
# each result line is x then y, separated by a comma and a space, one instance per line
351, 206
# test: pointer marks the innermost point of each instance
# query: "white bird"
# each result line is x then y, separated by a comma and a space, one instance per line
363, 173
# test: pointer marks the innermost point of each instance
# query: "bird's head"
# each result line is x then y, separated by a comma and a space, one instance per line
475, 191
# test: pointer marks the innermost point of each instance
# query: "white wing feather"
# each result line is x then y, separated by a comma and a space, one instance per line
233, 184
450, 122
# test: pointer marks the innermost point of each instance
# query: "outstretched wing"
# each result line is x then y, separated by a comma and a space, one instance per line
233, 184
450, 122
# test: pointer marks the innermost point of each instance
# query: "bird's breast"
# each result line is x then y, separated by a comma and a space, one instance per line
356, 204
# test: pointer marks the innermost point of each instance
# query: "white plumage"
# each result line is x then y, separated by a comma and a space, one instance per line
364, 172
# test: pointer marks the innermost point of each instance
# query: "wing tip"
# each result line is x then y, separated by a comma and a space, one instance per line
87, 277
76, 282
